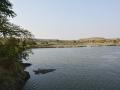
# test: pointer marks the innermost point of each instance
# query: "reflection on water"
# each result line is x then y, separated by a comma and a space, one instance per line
93, 68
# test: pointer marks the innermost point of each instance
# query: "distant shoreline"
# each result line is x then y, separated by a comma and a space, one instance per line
35, 47
87, 42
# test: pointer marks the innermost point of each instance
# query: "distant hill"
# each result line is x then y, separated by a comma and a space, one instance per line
94, 38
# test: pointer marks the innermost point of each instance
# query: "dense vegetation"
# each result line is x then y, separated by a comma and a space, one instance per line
14, 44
13, 38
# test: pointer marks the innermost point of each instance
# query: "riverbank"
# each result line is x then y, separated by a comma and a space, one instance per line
12, 75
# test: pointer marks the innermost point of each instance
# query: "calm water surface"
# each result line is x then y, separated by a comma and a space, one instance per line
87, 68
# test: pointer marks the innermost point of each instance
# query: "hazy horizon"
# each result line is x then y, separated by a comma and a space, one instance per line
69, 19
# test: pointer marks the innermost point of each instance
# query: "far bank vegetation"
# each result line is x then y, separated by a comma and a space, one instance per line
96, 41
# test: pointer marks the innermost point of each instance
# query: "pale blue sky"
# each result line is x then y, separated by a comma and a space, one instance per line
69, 19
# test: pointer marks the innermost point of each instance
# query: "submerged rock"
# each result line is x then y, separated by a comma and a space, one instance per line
43, 71
26, 65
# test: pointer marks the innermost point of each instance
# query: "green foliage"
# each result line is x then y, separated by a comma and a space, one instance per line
13, 38
14, 42
6, 8
13, 49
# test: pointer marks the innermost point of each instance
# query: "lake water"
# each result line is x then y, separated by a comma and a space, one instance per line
87, 68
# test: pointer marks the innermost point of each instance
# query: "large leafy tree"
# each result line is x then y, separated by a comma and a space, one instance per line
13, 38
8, 29
13, 41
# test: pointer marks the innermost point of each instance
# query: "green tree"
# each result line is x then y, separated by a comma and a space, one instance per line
13, 38
6, 8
